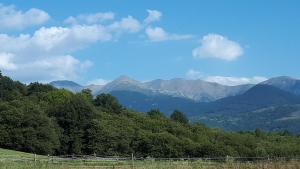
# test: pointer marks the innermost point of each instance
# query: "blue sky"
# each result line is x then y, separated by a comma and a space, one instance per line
230, 42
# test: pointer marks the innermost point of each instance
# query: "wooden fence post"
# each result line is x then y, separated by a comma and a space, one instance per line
34, 157
132, 161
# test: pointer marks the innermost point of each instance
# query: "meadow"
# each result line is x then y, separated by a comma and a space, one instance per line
10, 159
156, 165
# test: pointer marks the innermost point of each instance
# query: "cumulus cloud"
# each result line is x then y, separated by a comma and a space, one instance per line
193, 74
128, 24
53, 40
6, 61
45, 55
157, 34
91, 18
48, 53
98, 82
224, 80
47, 69
69, 38
153, 16
218, 46
233, 81
13, 19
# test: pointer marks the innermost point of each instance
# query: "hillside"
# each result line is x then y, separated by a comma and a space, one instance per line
263, 106
257, 97
273, 118
143, 103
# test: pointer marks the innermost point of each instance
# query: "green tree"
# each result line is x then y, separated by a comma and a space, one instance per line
88, 94
24, 126
74, 118
179, 116
37, 88
10, 90
108, 103
155, 113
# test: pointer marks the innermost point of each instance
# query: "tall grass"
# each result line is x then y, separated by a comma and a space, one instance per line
155, 165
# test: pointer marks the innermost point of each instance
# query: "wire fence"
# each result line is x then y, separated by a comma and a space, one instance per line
96, 159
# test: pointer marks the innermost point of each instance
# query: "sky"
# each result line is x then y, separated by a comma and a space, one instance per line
93, 42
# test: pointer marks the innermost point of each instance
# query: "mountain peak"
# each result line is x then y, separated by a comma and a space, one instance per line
125, 78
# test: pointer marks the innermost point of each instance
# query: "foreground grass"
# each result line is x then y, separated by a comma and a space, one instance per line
156, 165
10, 159
4, 153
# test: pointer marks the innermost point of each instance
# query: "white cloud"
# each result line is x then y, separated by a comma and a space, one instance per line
193, 74
13, 19
69, 38
157, 34
52, 41
45, 55
233, 81
86, 64
128, 24
92, 18
48, 53
218, 46
6, 61
98, 82
153, 16
224, 80
47, 69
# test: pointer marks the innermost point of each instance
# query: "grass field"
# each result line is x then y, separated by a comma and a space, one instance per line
18, 160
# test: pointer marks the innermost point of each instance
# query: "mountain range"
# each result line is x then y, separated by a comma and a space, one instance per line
271, 105
197, 90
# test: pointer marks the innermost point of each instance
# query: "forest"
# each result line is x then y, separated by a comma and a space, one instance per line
41, 119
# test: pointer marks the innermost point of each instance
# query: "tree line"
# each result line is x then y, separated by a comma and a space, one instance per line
39, 118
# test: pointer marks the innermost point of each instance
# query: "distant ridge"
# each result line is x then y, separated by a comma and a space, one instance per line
285, 83
66, 84
197, 90
263, 106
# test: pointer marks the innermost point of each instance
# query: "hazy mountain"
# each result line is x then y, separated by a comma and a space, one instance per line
65, 84
94, 88
127, 84
257, 97
75, 87
285, 83
197, 90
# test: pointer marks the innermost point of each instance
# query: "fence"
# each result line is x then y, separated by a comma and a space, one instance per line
131, 162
